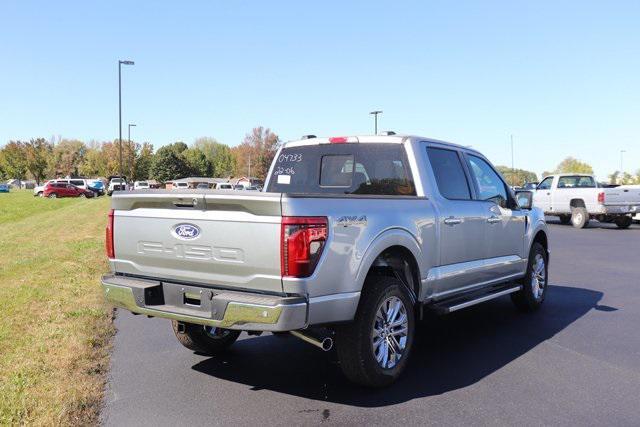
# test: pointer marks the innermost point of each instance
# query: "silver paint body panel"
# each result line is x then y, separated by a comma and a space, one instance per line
238, 246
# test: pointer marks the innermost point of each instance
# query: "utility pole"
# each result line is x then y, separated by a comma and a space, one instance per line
375, 115
513, 169
130, 151
120, 63
249, 176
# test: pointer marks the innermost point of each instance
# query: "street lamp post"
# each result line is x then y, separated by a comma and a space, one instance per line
120, 63
130, 151
513, 170
375, 115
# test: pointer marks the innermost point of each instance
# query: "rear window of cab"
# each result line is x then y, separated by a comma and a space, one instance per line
357, 168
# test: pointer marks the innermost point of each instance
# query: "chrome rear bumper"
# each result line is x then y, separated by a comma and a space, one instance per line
206, 306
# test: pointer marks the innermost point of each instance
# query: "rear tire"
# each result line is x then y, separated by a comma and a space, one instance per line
623, 221
565, 219
374, 349
579, 217
204, 339
535, 282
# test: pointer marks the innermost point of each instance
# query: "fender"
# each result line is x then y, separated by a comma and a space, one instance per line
384, 240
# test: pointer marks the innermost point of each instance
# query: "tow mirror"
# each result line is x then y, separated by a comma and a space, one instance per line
524, 199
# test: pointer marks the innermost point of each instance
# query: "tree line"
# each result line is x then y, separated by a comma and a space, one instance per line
518, 177
39, 159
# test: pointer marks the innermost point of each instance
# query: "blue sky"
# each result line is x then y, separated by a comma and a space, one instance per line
562, 77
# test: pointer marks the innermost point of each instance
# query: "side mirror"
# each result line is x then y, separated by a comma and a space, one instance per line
524, 199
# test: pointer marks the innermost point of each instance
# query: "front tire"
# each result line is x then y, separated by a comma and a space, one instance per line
374, 349
53, 196
535, 282
623, 221
204, 339
579, 217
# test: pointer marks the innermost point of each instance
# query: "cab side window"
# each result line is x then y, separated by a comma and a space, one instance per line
490, 185
546, 183
450, 177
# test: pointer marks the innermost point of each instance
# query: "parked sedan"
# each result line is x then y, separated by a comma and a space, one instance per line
57, 189
97, 187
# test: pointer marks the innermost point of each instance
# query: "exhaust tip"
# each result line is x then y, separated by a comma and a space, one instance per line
327, 344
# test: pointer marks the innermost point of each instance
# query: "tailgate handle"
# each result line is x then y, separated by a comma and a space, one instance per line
185, 204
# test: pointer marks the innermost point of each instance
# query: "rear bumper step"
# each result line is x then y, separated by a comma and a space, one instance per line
206, 306
464, 301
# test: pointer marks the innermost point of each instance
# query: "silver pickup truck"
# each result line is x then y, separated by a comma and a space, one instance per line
352, 241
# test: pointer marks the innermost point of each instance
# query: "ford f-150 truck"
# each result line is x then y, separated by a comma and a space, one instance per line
577, 198
352, 240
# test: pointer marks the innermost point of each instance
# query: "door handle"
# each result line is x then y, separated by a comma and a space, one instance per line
452, 221
493, 219
548, 194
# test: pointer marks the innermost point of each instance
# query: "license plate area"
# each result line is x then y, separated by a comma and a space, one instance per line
188, 297
191, 299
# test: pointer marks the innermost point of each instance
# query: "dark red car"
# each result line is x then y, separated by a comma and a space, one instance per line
59, 189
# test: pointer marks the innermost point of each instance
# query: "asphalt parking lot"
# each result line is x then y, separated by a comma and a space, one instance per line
574, 362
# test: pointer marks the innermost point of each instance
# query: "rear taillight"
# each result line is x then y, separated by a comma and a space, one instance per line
302, 241
601, 197
108, 240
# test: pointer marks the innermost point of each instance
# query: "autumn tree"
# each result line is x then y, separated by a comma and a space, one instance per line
37, 154
254, 155
67, 157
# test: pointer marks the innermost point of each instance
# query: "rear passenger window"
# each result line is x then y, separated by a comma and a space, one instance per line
336, 171
450, 176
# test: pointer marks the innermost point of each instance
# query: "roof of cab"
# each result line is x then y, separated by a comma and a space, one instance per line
374, 139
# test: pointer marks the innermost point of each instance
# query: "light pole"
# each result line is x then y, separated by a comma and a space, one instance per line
513, 170
130, 151
120, 107
375, 115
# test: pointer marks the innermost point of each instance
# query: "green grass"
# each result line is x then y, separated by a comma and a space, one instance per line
56, 328
19, 204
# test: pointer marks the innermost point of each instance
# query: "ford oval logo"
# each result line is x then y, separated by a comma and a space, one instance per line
186, 231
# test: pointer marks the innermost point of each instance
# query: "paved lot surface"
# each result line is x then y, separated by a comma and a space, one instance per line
575, 362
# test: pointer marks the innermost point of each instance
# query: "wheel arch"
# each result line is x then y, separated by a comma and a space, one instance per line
397, 253
577, 203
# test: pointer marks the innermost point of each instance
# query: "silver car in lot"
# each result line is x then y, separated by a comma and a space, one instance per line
352, 241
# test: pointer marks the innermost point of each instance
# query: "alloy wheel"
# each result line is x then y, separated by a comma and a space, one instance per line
390, 332
538, 277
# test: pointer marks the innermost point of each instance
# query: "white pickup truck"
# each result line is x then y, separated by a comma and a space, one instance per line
577, 198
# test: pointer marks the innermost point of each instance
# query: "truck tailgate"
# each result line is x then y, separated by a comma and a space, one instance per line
219, 238
623, 195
